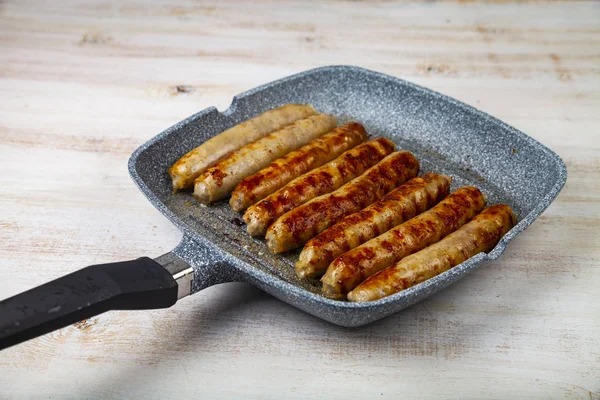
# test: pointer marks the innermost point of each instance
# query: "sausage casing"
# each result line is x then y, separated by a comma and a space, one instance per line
216, 183
191, 165
480, 235
298, 162
296, 227
317, 182
401, 204
351, 268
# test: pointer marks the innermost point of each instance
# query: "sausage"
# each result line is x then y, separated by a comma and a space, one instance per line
298, 162
480, 235
319, 181
296, 227
216, 183
351, 268
401, 204
191, 165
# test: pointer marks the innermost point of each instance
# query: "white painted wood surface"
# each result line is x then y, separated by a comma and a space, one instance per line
82, 84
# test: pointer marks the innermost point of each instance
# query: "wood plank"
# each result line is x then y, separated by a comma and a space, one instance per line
82, 84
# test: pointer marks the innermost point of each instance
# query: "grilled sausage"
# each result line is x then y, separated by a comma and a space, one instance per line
351, 268
191, 165
401, 204
298, 162
480, 235
296, 227
217, 182
319, 181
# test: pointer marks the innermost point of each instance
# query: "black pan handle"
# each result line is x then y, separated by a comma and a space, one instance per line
129, 285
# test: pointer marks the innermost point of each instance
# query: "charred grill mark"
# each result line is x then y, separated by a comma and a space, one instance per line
345, 246
345, 166
328, 253
217, 175
365, 253
269, 207
424, 230
323, 181
449, 214
248, 184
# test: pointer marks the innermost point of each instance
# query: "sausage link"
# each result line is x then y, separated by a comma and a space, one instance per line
351, 268
217, 182
480, 235
191, 165
401, 204
317, 182
296, 227
298, 162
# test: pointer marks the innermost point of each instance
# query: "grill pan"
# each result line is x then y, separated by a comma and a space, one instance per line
446, 135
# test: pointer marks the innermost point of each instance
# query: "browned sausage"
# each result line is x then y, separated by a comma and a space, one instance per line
191, 165
351, 268
401, 204
298, 162
480, 235
296, 227
216, 183
317, 182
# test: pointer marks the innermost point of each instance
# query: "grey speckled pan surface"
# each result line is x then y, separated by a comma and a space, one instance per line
447, 136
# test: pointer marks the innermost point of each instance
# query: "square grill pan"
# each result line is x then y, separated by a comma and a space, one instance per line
446, 136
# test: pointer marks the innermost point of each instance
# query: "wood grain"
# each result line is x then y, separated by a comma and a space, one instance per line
82, 84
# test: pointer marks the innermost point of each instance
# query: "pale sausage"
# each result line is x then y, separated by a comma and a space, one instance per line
216, 183
191, 165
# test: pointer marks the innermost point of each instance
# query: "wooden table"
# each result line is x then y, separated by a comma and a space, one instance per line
82, 84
